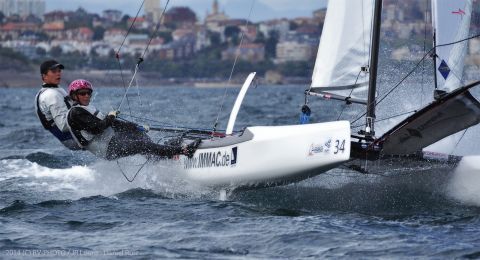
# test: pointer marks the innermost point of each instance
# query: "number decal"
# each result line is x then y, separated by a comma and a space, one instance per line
339, 146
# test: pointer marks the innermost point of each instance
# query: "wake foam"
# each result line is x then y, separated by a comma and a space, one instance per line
101, 178
464, 184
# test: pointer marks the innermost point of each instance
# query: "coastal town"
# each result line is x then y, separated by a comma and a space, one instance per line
181, 45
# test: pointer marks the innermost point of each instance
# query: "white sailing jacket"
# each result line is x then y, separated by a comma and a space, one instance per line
52, 104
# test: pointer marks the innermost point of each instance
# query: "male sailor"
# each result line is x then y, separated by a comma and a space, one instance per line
52, 104
108, 137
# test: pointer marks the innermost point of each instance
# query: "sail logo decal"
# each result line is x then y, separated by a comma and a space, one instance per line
444, 69
215, 159
459, 12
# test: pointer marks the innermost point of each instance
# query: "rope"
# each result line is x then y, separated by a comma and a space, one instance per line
349, 96
136, 174
156, 29
397, 85
123, 82
459, 41
456, 145
390, 117
162, 124
117, 54
129, 85
233, 68
141, 167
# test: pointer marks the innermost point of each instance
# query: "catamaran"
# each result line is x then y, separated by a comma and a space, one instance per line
345, 69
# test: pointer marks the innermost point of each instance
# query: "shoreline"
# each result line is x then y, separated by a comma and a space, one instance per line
32, 79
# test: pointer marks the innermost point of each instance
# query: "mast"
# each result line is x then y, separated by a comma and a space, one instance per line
372, 88
434, 56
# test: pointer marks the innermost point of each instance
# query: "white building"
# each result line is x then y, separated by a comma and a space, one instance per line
296, 48
23, 7
282, 26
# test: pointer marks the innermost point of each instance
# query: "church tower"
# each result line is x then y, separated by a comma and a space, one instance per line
152, 10
215, 7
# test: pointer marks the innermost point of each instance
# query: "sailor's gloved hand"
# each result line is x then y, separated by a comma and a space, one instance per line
143, 128
190, 149
114, 113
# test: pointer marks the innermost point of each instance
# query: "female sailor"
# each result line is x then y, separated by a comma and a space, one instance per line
108, 137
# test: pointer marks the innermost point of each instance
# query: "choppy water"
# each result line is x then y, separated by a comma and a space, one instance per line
55, 203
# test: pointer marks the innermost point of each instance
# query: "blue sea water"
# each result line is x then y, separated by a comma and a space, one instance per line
62, 204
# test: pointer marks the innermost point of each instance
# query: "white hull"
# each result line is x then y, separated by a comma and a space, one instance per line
269, 155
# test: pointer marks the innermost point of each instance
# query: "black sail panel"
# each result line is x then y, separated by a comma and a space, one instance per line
450, 114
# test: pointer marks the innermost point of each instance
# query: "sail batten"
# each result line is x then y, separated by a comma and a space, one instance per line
345, 46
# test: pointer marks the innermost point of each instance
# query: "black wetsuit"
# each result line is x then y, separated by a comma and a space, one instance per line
126, 141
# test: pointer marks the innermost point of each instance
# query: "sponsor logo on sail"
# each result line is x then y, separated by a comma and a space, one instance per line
214, 159
320, 148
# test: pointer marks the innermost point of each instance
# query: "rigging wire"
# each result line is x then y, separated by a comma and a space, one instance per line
390, 117
414, 69
349, 95
461, 137
233, 68
164, 125
141, 58
137, 66
396, 86
129, 29
424, 47
117, 53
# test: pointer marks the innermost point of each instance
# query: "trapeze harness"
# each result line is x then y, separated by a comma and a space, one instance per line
49, 124
90, 129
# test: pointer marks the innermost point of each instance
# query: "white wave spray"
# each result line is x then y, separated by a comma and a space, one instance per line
464, 184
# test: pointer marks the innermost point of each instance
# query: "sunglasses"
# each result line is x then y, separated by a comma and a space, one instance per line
84, 93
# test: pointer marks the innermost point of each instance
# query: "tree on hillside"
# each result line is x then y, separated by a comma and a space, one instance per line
98, 33
56, 51
40, 51
215, 39
14, 18
123, 23
271, 44
232, 34
32, 19
79, 18
166, 36
260, 38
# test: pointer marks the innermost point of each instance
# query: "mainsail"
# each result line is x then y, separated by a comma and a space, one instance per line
344, 52
451, 22
451, 113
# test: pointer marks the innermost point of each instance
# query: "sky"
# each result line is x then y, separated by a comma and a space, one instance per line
263, 9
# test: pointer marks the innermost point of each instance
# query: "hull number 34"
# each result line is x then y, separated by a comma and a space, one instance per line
331, 146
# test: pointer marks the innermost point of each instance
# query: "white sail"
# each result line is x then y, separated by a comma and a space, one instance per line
451, 21
344, 47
